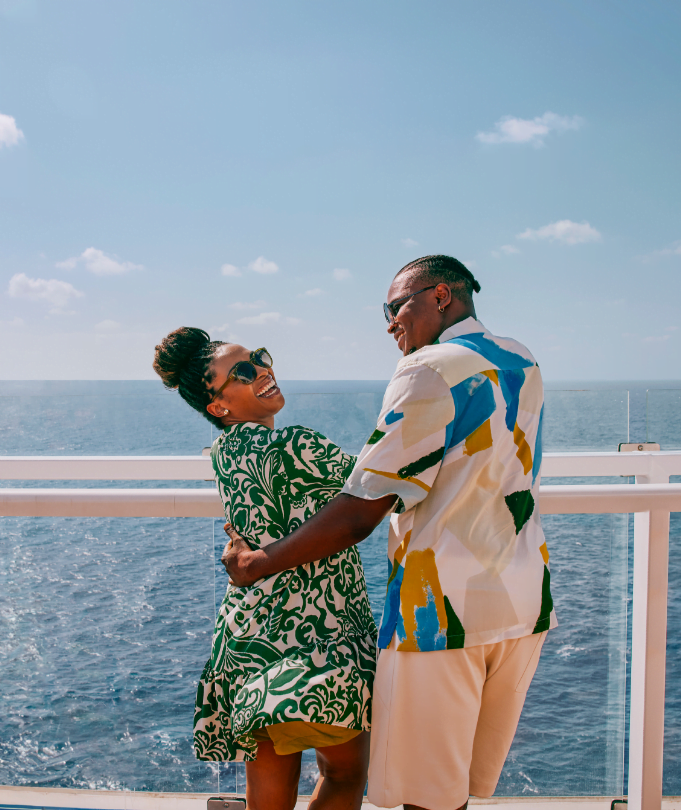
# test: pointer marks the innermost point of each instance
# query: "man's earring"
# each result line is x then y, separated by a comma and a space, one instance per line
441, 309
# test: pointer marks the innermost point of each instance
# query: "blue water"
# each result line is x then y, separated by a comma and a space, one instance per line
105, 623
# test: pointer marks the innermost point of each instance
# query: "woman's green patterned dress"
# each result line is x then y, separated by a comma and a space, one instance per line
299, 645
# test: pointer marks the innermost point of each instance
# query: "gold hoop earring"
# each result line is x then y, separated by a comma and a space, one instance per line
441, 309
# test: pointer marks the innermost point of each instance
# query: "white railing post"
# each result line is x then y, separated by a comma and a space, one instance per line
648, 653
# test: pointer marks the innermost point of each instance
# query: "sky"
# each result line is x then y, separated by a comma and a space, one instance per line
263, 169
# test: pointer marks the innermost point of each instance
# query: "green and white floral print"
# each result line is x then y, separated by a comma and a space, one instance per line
299, 645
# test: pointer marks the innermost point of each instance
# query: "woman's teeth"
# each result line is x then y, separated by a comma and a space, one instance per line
270, 385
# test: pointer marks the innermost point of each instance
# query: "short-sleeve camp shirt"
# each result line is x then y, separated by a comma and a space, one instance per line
459, 442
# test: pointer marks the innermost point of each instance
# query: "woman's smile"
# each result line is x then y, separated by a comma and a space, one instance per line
269, 389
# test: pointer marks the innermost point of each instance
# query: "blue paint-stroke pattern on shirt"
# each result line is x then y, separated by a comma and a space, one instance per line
473, 405
391, 610
536, 464
510, 382
429, 634
500, 357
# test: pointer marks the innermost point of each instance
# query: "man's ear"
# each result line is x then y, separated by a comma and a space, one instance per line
444, 294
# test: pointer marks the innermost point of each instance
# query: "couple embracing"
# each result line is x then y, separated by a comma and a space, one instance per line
455, 460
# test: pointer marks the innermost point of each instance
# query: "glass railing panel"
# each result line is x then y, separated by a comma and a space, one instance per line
663, 417
104, 623
585, 420
571, 736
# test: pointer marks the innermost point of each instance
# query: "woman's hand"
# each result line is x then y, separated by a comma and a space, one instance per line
237, 559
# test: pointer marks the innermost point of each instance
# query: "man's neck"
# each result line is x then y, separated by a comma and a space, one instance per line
461, 316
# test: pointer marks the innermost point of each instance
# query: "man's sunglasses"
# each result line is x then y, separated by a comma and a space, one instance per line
390, 310
245, 370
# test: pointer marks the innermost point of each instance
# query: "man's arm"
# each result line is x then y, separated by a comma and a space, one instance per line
341, 523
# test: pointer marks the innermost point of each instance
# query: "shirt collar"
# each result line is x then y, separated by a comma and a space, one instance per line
468, 326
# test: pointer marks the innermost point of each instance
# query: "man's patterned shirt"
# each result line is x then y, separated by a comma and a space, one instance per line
459, 441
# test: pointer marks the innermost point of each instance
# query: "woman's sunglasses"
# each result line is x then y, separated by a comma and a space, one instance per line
390, 310
245, 371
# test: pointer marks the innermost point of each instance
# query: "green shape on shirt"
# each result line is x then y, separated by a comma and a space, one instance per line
422, 464
376, 436
521, 506
544, 619
456, 635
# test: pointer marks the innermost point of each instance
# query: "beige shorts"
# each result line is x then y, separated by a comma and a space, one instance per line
443, 722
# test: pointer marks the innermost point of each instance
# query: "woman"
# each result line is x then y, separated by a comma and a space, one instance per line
293, 656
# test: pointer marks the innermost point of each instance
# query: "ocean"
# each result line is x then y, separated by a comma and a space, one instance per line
105, 623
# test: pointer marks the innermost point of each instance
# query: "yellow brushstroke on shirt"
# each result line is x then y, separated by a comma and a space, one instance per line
420, 579
396, 477
492, 374
544, 552
399, 555
479, 439
524, 453
404, 545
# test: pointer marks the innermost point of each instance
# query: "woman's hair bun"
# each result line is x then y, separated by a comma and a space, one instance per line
175, 351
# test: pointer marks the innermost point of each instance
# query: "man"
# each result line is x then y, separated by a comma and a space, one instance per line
456, 456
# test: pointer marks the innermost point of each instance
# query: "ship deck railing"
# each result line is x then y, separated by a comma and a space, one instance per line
651, 499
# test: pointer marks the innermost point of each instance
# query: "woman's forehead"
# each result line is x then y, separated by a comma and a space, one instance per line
230, 353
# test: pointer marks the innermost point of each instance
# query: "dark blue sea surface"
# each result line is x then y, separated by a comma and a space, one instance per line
105, 623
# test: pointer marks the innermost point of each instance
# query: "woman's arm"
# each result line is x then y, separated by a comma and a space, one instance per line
343, 522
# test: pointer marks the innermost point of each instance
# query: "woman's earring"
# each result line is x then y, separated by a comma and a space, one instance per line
225, 412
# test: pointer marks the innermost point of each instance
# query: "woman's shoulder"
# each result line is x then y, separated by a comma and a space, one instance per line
292, 433
251, 440
237, 441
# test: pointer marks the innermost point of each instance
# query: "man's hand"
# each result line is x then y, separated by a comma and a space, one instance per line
236, 558
341, 523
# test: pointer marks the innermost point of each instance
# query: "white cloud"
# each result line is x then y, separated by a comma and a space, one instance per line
248, 305
533, 130
312, 293
107, 326
263, 265
265, 318
671, 329
409, 243
342, 274
659, 254
10, 134
565, 231
97, 262
656, 338
55, 292
230, 270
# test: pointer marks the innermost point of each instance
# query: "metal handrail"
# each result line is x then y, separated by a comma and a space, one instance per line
119, 502
199, 468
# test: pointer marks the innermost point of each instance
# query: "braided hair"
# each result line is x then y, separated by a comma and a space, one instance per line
438, 268
182, 360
